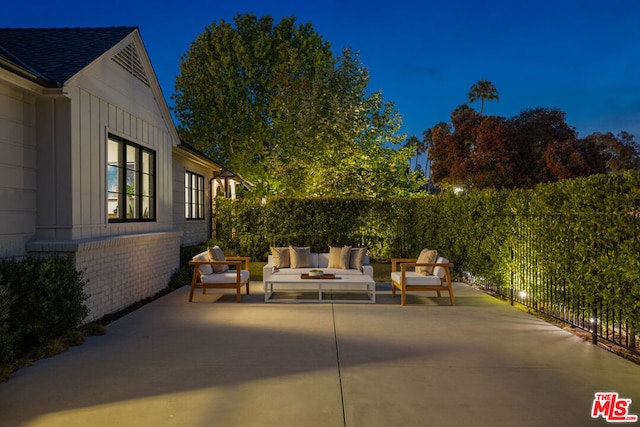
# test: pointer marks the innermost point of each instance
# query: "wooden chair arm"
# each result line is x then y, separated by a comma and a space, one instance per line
445, 265
236, 261
244, 259
231, 262
407, 262
396, 261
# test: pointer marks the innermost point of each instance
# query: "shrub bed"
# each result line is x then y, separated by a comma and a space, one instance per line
40, 300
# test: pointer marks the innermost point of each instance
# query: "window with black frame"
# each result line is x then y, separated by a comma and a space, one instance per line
193, 196
131, 181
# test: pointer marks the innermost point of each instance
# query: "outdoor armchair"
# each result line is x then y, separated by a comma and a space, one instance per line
407, 279
232, 276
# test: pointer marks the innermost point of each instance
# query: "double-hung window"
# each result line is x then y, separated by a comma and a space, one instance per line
193, 196
131, 181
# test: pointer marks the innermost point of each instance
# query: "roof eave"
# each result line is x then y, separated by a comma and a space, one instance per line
24, 73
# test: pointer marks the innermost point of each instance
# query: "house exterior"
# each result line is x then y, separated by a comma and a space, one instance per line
91, 164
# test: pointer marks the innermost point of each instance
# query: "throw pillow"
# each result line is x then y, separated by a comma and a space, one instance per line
215, 254
339, 257
300, 257
357, 258
280, 257
204, 268
426, 256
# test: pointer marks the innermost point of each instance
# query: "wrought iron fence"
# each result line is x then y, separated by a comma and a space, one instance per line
550, 286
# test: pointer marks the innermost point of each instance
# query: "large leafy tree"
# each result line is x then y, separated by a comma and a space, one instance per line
482, 90
492, 162
273, 102
538, 129
533, 147
620, 152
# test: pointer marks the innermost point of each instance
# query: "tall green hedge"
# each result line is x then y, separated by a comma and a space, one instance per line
583, 232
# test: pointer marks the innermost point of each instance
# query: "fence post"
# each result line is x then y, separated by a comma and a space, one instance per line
594, 326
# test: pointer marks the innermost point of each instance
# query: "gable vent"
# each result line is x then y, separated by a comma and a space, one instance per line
129, 59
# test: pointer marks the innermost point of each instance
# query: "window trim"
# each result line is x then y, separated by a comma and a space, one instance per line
139, 175
190, 205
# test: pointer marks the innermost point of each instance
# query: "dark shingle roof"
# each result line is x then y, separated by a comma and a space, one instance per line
56, 54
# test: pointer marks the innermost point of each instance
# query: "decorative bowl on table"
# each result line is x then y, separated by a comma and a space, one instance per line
316, 273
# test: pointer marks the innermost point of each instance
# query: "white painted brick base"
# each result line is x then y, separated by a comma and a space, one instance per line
121, 270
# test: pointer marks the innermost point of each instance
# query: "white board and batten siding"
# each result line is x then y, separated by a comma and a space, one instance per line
106, 99
17, 170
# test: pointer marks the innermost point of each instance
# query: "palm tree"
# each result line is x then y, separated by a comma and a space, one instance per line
426, 144
417, 145
482, 90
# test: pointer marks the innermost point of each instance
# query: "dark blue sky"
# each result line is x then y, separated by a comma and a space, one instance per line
582, 56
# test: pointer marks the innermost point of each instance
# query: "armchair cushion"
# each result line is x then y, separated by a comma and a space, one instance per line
416, 279
228, 276
216, 254
426, 256
300, 257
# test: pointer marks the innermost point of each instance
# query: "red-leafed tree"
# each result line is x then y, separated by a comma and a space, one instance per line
573, 158
537, 129
441, 153
533, 147
492, 162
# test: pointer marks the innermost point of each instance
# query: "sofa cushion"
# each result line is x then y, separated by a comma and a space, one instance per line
426, 256
300, 257
339, 257
204, 268
356, 259
315, 259
323, 260
216, 254
281, 258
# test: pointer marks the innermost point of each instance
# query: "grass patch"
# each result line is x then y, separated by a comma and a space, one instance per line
382, 272
52, 348
93, 329
74, 338
5, 371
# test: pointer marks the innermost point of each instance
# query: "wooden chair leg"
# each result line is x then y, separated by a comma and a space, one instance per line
191, 292
238, 296
194, 280
404, 296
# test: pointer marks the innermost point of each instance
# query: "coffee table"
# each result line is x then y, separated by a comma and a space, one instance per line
347, 288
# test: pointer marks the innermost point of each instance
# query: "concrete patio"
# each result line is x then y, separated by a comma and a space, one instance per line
218, 363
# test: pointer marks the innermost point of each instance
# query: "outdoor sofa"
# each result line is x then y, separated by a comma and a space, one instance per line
300, 260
